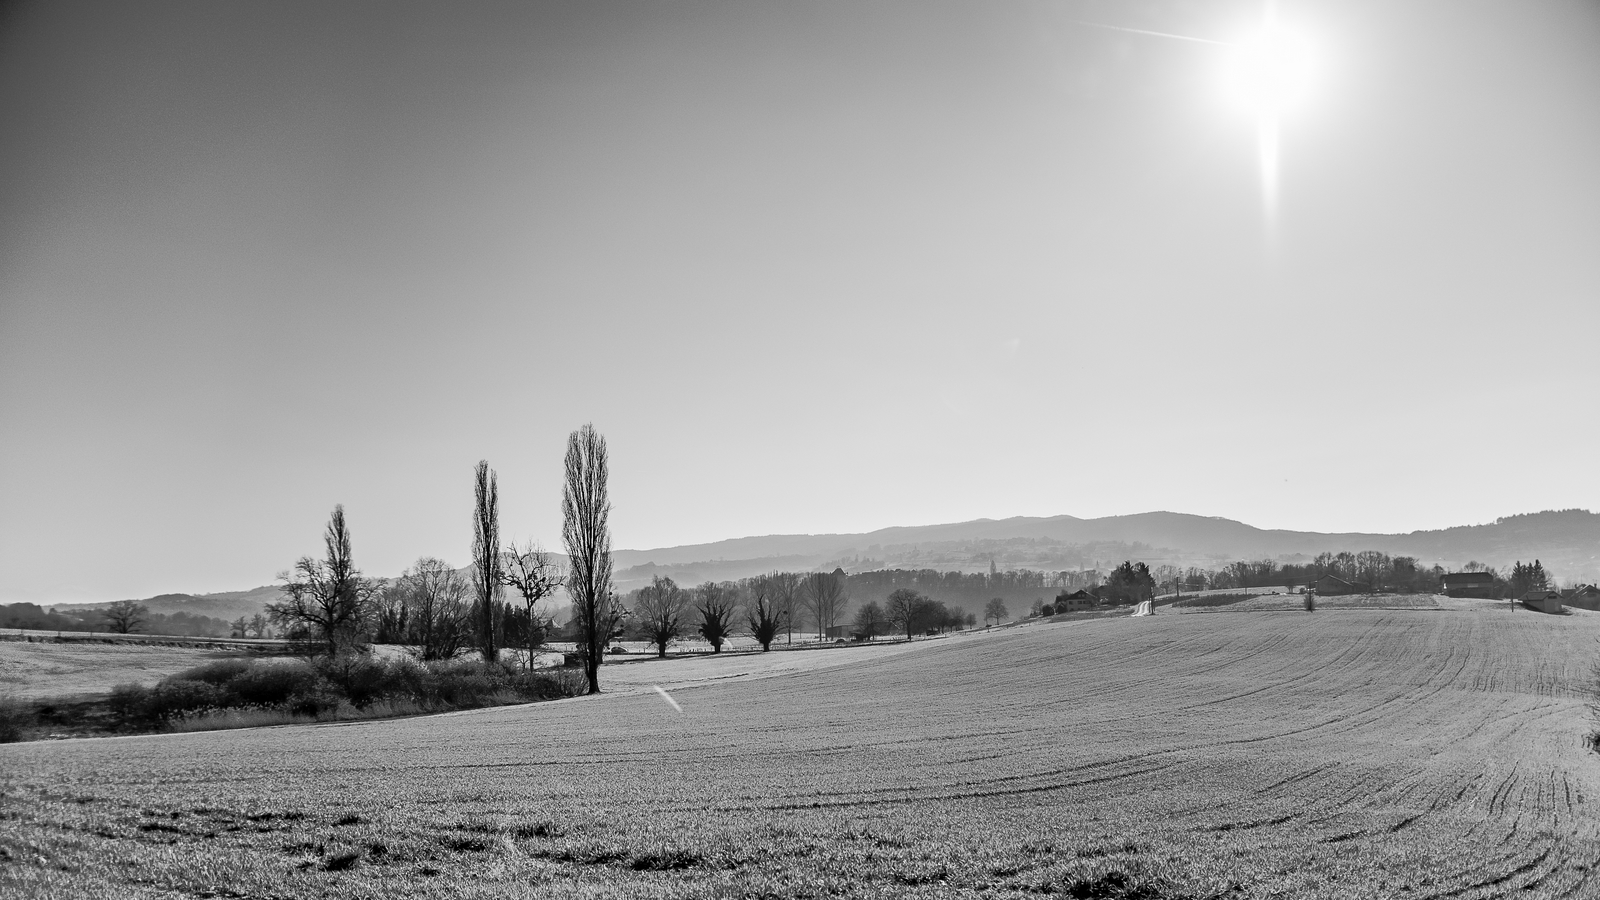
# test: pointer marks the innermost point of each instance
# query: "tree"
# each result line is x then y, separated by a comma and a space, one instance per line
535, 575
786, 595
237, 627
823, 595
328, 597
870, 620
487, 576
126, 616
914, 612
996, 610
1132, 582
258, 626
765, 611
437, 619
1530, 577
716, 604
659, 610
585, 508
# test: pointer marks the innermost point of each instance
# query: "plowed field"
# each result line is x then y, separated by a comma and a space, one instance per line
1346, 753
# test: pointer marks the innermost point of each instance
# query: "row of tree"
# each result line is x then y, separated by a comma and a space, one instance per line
434, 609
121, 617
763, 606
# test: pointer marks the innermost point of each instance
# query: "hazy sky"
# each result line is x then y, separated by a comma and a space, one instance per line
809, 267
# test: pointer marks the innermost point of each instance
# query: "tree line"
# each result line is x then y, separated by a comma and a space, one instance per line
434, 609
121, 617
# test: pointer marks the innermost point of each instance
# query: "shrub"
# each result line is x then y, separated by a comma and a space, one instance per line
16, 715
175, 697
548, 685
219, 672
129, 702
273, 683
361, 679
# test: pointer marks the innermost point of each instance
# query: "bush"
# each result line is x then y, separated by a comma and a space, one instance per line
16, 715
129, 702
548, 685
361, 679
219, 672
273, 683
175, 697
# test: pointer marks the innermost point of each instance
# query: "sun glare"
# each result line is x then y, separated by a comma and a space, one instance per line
1270, 71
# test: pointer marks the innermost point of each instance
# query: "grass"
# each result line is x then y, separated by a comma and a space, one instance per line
1354, 753
1206, 600
41, 668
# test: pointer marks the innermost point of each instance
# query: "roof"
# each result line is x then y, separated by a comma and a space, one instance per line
1335, 578
1468, 576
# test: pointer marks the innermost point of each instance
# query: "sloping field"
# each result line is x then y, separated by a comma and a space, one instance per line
1347, 753
50, 669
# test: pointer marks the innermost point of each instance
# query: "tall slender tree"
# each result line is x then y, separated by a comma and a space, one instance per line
585, 509
487, 576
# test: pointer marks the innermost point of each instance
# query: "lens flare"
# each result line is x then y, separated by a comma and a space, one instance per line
1270, 72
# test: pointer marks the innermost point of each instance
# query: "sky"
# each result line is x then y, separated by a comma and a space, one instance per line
808, 267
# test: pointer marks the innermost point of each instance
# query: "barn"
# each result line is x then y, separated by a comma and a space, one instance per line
1585, 596
1333, 586
1468, 584
1542, 601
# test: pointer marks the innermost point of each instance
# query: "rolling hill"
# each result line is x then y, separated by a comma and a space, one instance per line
1567, 541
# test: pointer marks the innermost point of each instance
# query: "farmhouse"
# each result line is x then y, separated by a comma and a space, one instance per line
1333, 585
1078, 599
1468, 584
1542, 601
1585, 596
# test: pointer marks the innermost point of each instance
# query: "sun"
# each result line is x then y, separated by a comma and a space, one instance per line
1269, 71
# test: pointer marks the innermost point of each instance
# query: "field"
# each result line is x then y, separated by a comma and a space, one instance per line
1353, 753
47, 669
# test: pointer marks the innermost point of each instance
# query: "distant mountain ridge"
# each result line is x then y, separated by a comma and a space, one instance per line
1566, 541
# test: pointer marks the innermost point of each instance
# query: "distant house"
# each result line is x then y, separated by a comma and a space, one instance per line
1468, 584
1542, 601
1078, 599
1585, 596
1333, 586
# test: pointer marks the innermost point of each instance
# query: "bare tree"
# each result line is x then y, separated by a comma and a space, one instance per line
765, 610
533, 573
716, 604
996, 610
585, 508
329, 597
660, 610
870, 620
125, 616
909, 610
437, 615
486, 574
823, 595
786, 594
258, 626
